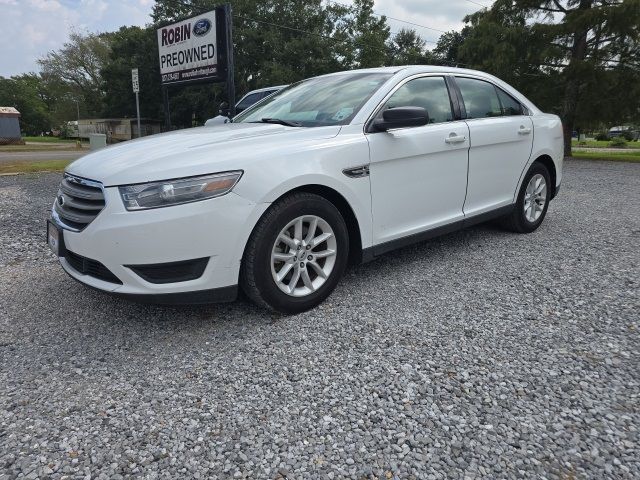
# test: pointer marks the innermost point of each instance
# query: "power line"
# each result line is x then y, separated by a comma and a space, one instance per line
306, 32
477, 3
393, 18
182, 3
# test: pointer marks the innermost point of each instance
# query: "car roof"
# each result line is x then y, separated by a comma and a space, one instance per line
266, 89
405, 71
411, 69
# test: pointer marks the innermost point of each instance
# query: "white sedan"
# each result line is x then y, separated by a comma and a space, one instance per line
335, 169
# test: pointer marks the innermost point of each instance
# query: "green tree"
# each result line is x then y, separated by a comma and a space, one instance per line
564, 54
370, 35
132, 47
78, 64
408, 48
447, 50
275, 42
25, 93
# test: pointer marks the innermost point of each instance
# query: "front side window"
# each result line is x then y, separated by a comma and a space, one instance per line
430, 93
320, 101
479, 97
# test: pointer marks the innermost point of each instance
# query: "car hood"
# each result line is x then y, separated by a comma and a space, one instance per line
194, 151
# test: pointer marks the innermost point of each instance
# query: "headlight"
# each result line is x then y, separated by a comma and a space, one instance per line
175, 192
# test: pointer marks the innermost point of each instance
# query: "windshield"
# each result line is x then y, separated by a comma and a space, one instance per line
317, 102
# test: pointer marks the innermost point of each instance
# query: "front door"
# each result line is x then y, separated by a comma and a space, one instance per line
419, 174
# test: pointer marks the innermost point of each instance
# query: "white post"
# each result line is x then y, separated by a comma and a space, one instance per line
138, 110
136, 90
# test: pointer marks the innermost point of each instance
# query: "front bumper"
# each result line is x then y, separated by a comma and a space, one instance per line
215, 229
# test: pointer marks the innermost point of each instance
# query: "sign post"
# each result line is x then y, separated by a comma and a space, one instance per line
197, 49
231, 85
136, 90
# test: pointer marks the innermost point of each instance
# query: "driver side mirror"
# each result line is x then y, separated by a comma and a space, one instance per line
401, 117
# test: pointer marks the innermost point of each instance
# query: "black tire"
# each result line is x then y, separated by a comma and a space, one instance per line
516, 221
256, 279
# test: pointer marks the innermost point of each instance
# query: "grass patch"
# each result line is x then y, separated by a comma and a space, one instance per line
612, 157
600, 144
49, 139
41, 148
31, 167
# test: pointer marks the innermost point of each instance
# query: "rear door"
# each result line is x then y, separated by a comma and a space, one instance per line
501, 136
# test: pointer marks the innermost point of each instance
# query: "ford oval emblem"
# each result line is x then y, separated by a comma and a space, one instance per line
202, 27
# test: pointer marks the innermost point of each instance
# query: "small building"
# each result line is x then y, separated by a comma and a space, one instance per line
10, 126
118, 129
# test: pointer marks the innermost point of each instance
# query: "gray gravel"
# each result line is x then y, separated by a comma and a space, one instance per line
482, 354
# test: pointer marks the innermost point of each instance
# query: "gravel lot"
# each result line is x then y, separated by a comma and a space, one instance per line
482, 354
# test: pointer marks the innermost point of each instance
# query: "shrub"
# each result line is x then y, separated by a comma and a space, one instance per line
618, 142
602, 136
628, 135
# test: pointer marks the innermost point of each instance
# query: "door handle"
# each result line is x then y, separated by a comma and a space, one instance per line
524, 130
453, 138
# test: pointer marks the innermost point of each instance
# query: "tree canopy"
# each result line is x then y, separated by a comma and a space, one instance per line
572, 57
577, 58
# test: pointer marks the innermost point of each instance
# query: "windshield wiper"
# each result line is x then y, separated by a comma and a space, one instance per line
281, 122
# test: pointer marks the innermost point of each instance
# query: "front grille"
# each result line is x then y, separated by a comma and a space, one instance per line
79, 201
93, 268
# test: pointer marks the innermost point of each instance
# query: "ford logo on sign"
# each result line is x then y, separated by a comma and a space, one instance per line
202, 27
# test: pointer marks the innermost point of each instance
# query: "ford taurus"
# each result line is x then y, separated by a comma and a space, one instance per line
335, 169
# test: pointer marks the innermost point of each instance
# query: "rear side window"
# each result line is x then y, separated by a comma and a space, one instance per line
249, 100
430, 93
510, 106
479, 97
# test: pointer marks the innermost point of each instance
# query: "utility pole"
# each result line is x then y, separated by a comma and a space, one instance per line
136, 90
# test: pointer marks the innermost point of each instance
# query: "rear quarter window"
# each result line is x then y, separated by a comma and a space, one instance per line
249, 100
510, 106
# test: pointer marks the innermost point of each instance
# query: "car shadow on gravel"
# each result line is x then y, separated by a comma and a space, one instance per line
242, 312
451, 245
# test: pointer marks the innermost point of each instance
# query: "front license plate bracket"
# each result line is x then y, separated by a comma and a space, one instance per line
55, 239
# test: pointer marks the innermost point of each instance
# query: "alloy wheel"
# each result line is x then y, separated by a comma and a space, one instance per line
303, 255
535, 198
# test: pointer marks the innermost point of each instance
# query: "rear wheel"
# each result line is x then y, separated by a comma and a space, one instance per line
296, 254
533, 201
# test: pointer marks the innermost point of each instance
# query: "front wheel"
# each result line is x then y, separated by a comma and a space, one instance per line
533, 201
296, 254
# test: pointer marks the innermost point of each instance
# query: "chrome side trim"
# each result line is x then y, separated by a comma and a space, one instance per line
357, 172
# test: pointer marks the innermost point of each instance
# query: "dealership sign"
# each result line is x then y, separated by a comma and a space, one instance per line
188, 50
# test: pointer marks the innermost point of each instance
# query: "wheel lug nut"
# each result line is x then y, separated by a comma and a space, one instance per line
308, 247
299, 247
301, 264
309, 258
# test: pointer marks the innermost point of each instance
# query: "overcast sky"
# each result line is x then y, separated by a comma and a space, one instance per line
31, 28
